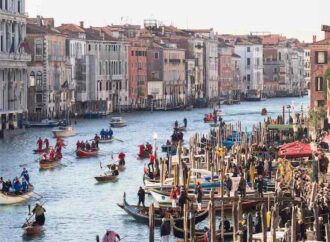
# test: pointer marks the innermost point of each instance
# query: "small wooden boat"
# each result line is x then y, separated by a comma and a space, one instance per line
44, 150
104, 141
264, 112
118, 122
108, 176
141, 214
31, 230
12, 198
86, 154
63, 132
199, 234
49, 164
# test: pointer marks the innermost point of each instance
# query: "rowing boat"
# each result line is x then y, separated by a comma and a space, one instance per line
104, 141
106, 178
31, 230
141, 214
64, 132
49, 164
11, 198
86, 154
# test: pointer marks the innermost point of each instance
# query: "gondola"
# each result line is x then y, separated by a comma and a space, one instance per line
49, 164
12, 198
31, 230
106, 178
199, 233
141, 215
86, 154
38, 151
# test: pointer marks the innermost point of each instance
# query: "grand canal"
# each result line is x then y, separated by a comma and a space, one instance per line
77, 207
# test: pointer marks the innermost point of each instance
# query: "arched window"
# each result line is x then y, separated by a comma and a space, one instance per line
32, 82
39, 79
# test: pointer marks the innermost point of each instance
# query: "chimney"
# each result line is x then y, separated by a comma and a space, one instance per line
81, 23
314, 38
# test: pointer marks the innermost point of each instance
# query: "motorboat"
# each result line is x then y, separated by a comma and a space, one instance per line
45, 123
64, 132
117, 122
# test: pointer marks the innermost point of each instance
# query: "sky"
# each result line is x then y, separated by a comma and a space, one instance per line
293, 18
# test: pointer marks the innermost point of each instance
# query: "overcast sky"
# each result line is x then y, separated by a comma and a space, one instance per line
293, 18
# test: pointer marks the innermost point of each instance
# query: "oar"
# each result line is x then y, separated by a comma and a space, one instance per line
123, 238
37, 194
122, 141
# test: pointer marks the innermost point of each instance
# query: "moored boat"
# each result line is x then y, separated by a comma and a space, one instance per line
12, 198
118, 122
46, 123
199, 234
141, 214
86, 154
64, 132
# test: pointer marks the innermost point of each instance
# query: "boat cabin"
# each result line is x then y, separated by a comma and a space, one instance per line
11, 123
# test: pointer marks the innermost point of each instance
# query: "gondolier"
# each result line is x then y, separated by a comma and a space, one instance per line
39, 212
111, 236
141, 194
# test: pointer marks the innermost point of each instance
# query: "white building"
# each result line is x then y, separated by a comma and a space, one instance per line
13, 59
307, 67
211, 63
13, 67
251, 54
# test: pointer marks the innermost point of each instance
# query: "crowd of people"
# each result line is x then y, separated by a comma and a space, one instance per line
17, 186
106, 134
87, 146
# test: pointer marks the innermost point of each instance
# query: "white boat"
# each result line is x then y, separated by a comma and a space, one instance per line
104, 141
118, 122
64, 131
10, 198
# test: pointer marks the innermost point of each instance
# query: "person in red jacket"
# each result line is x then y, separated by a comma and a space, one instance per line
52, 154
149, 148
39, 142
151, 162
141, 151
46, 141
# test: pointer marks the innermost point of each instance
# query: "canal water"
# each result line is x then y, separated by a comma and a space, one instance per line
77, 207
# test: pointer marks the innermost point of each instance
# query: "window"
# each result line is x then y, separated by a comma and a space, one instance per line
248, 77
38, 98
32, 82
39, 79
321, 57
319, 84
38, 48
156, 55
248, 61
89, 47
132, 53
18, 6
248, 49
100, 86
280, 56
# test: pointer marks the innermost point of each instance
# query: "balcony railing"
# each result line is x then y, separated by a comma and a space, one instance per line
15, 57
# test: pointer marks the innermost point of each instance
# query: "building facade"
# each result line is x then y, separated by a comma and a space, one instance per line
137, 68
211, 64
13, 67
50, 75
251, 54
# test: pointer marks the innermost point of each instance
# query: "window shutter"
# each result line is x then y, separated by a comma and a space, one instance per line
316, 58
316, 83
321, 84
325, 58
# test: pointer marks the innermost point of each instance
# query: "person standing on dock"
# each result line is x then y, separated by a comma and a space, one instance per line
165, 230
242, 186
228, 185
141, 194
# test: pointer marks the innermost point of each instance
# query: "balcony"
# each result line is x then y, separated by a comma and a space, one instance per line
15, 57
117, 77
56, 58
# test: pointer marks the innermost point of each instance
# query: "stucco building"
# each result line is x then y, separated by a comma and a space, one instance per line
13, 64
